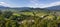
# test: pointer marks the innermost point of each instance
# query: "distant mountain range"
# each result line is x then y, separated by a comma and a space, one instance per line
18, 8
28, 8
54, 8
15, 8
3, 7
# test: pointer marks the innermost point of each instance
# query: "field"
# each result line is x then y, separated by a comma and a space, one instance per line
33, 18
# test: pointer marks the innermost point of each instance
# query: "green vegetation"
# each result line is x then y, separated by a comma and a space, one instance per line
33, 18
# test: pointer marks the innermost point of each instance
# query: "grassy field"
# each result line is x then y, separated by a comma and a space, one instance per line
41, 18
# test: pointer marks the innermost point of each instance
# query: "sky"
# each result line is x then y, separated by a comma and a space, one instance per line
30, 3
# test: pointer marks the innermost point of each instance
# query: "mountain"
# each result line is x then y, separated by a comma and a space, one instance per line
3, 7
16, 8
54, 8
20, 8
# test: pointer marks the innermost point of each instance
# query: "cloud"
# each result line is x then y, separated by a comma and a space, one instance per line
51, 4
35, 3
5, 4
8, 5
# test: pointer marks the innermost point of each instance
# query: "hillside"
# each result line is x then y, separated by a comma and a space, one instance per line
54, 7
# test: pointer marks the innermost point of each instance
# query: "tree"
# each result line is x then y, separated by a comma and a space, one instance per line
7, 14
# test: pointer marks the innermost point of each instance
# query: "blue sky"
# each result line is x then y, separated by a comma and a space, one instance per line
30, 3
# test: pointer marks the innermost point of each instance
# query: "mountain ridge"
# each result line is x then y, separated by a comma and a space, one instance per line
54, 7
28, 8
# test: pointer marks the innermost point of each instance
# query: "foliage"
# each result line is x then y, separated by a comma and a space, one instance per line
33, 18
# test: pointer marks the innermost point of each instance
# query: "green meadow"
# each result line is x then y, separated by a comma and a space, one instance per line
33, 18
